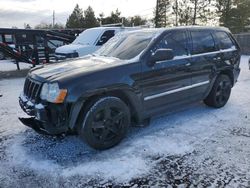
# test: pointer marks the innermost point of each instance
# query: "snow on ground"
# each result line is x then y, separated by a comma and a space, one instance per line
197, 146
9, 65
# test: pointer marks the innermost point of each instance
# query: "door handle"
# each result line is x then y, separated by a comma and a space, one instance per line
187, 64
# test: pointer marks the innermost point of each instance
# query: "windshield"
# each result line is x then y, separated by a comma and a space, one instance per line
127, 45
87, 37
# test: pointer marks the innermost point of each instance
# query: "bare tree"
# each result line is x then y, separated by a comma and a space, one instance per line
200, 9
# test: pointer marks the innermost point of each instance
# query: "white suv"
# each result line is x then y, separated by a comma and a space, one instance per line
88, 42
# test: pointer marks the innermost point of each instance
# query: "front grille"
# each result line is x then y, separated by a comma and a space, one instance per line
32, 89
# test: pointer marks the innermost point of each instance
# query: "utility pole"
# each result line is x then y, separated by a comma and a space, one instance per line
53, 22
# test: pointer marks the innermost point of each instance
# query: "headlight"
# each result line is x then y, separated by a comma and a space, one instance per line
52, 93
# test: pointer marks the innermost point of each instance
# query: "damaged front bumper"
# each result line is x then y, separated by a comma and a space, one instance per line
45, 119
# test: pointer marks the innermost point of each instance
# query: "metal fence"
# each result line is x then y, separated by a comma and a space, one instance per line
244, 41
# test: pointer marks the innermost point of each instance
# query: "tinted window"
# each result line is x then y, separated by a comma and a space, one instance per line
203, 42
224, 41
126, 45
105, 37
175, 41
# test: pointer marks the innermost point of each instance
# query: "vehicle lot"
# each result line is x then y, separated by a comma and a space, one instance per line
197, 146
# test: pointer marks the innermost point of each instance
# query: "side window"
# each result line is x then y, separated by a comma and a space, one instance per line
175, 41
105, 37
203, 42
224, 41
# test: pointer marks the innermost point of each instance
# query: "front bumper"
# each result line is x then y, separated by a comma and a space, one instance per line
45, 119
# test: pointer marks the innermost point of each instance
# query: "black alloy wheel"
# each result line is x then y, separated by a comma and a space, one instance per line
106, 123
220, 92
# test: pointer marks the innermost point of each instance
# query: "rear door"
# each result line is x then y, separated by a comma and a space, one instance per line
204, 57
228, 48
167, 82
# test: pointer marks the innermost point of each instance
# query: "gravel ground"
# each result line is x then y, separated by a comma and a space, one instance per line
194, 147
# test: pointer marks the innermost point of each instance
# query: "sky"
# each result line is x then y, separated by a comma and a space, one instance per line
17, 12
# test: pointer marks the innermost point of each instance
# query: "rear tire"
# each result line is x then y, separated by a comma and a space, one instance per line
105, 123
220, 92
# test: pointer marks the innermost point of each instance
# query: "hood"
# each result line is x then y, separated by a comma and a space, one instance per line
70, 48
85, 65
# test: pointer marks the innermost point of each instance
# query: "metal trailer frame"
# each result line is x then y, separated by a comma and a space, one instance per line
33, 45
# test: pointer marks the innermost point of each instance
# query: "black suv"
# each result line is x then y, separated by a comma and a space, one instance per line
134, 76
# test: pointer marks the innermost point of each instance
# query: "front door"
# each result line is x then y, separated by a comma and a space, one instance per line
167, 82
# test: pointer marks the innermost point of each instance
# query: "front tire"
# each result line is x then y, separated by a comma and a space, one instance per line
220, 92
106, 123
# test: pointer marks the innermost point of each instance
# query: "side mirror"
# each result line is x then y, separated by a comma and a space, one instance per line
103, 38
162, 55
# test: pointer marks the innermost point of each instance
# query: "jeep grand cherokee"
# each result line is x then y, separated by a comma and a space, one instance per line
134, 76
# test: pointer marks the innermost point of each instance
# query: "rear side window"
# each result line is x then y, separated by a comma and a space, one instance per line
176, 41
203, 42
224, 40
105, 37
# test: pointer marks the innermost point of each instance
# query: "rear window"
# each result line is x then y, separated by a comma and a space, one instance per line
224, 40
203, 42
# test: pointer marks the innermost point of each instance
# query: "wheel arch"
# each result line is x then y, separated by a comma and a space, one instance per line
126, 95
228, 73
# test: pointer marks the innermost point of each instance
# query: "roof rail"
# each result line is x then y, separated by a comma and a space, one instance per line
112, 25
142, 26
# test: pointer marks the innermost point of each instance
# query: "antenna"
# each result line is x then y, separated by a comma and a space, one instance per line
53, 22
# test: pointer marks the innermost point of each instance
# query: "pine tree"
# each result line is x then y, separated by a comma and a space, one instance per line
234, 14
134, 21
115, 17
89, 18
224, 8
76, 19
137, 21
239, 16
